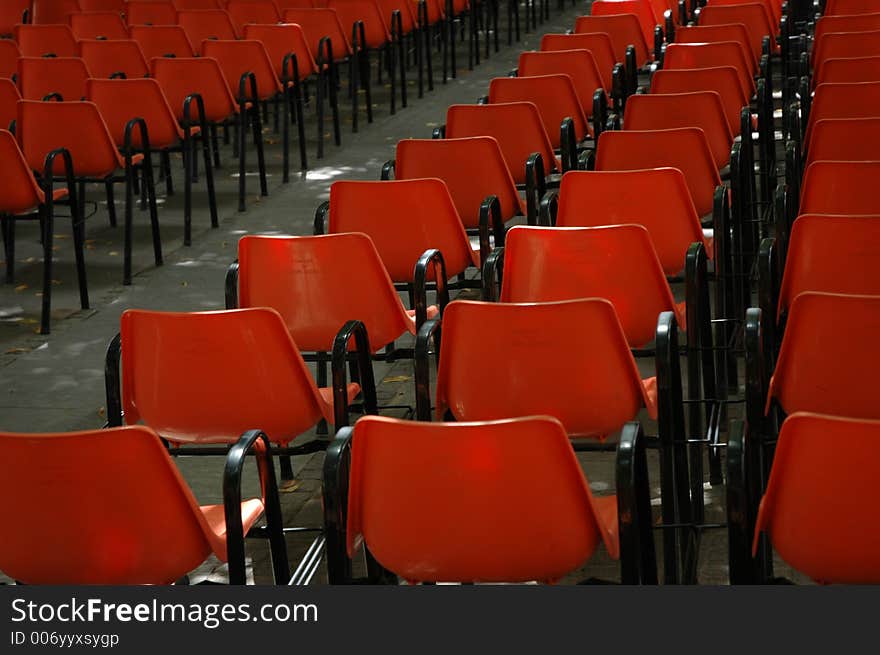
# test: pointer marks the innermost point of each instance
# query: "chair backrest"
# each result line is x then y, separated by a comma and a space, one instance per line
623, 29
844, 139
836, 377
98, 25
207, 24
517, 127
641, 9
284, 5
500, 360
12, 14
599, 45
553, 95
579, 65
656, 198
208, 376
19, 191
683, 148
9, 97
103, 5
319, 283
472, 168
718, 34
615, 262
849, 23
162, 41
53, 12
772, 7
319, 23
425, 520
702, 109
46, 40
840, 187
9, 54
376, 31
819, 509
105, 58
832, 254
150, 12
849, 7
185, 5
282, 40
407, 9
181, 77
42, 76
404, 218
851, 69
121, 100
711, 55
239, 57
42, 127
723, 80
846, 100
258, 12
754, 16
845, 45
104, 507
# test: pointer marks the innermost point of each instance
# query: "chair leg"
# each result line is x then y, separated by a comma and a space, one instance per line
165, 164
453, 65
79, 232
7, 223
401, 50
215, 146
334, 108
239, 140
257, 125
129, 202
209, 175
150, 185
301, 124
111, 204
320, 90
285, 138
188, 156
390, 53
365, 80
48, 229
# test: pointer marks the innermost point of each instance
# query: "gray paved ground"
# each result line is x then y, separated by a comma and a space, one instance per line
56, 382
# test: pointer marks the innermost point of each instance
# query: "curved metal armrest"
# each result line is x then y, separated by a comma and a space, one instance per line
439, 132
387, 170
429, 331
549, 208
490, 212
247, 82
231, 286
337, 462
433, 258
113, 383
567, 144
338, 361
321, 217
493, 269
252, 440
187, 113
638, 563
536, 186
128, 147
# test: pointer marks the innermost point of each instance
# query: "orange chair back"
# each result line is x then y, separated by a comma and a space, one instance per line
182, 77
550, 264
207, 24
239, 57
319, 23
856, 100
577, 64
19, 191
849, 23
104, 58
853, 69
683, 148
849, 7
404, 218
376, 31
42, 76
656, 198
98, 25
319, 283
712, 55
281, 40
736, 32
9, 54
832, 140
46, 40
819, 509
150, 12
121, 100
517, 127
840, 187
754, 16
258, 12
722, 80
599, 45
623, 29
641, 9
519, 348
423, 515
9, 97
162, 41
204, 377
845, 45
53, 12
12, 14
472, 168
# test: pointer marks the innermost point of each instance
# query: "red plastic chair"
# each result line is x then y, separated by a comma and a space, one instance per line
656, 198
180, 78
723, 80
754, 16
520, 133
110, 58
121, 100
9, 54
857, 100
406, 218
150, 12
23, 198
842, 71
711, 55
98, 25
9, 97
849, 7
162, 41
599, 45
701, 109
286, 40
487, 337
830, 254
473, 169
252, 12
624, 30
583, 266
42, 127
557, 101
851, 23
124, 512
683, 148
577, 64
840, 187
832, 140
53, 12
46, 40
103, 5
718, 34
12, 13
420, 520
189, 5
201, 26
242, 60
641, 9
40, 77
845, 45
818, 508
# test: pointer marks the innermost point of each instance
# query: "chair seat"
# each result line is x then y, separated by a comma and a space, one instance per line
433, 311
650, 387
215, 521
351, 392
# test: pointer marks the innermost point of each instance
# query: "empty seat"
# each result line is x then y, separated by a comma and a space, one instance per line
711, 55
46, 41
855, 100
722, 80
150, 12
110, 58
854, 69
736, 32
53, 12
641, 9
845, 45
624, 30
579, 65
162, 41
844, 139
754, 16
39, 77
98, 25
201, 26
840, 187
599, 46
12, 13
9, 54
